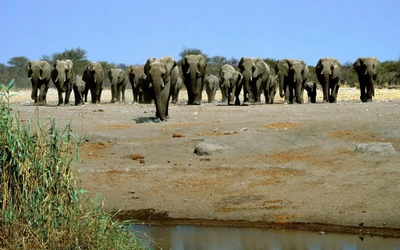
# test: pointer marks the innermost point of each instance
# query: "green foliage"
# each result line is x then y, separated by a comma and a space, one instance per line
348, 76
40, 199
76, 55
191, 51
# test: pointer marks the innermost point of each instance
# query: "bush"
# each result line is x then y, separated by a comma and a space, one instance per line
40, 201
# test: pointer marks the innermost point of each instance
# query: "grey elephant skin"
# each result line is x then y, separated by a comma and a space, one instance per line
79, 90
211, 82
367, 70
118, 79
137, 78
175, 88
270, 89
255, 73
93, 76
193, 71
230, 84
328, 74
176, 84
311, 88
39, 72
63, 76
292, 75
158, 73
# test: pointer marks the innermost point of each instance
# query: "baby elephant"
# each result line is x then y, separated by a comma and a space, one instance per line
211, 83
270, 89
79, 90
311, 88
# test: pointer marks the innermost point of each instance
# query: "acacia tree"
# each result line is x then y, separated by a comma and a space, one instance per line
76, 55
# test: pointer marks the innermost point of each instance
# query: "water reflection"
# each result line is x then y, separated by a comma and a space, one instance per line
190, 237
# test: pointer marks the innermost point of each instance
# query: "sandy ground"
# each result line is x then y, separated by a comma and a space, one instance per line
290, 166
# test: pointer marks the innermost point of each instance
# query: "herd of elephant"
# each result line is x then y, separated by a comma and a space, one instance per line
160, 80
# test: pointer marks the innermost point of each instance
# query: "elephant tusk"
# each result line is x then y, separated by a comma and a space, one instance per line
40, 78
251, 78
56, 80
187, 72
322, 72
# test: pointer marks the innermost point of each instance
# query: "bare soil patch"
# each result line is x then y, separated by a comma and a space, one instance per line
285, 166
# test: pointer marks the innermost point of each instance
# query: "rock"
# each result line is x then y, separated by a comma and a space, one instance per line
204, 148
379, 148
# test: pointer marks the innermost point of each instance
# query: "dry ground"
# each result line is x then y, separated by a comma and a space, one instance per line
282, 165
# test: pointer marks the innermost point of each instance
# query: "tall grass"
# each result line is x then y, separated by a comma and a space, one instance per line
40, 200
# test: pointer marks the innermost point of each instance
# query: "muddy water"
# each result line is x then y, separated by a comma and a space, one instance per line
190, 237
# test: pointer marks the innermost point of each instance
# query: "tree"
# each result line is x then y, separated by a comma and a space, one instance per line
76, 55
191, 51
18, 61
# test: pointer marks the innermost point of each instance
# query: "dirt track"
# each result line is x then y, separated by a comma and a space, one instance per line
278, 164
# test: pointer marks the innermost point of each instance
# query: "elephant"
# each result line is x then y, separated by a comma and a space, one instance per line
158, 72
137, 78
270, 92
328, 74
255, 73
211, 83
93, 76
367, 70
175, 89
79, 90
176, 84
292, 75
63, 76
193, 71
311, 88
39, 72
231, 84
119, 80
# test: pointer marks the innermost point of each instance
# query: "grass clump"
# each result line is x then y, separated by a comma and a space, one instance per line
40, 200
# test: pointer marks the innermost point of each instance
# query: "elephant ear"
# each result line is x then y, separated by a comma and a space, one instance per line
240, 65
282, 67
56, 62
147, 65
70, 64
202, 64
357, 64
169, 64
109, 73
121, 73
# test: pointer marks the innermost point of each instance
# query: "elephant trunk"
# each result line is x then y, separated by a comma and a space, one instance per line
247, 78
299, 87
62, 81
160, 106
113, 91
281, 80
42, 99
194, 88
327, 75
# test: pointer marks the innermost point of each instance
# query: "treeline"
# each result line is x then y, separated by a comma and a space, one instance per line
389, 73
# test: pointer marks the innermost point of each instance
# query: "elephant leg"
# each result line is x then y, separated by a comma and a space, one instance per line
362, 92
288, 94
60, 97
370, 90
68, 94
93, 94
119, 93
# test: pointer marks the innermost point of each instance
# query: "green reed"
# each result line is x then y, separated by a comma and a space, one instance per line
40, 199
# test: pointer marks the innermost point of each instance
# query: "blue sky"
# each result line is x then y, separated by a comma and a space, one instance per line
131, 31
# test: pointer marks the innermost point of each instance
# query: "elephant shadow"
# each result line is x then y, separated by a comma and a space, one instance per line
147, 120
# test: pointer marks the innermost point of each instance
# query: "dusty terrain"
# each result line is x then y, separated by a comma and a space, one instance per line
275, 165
